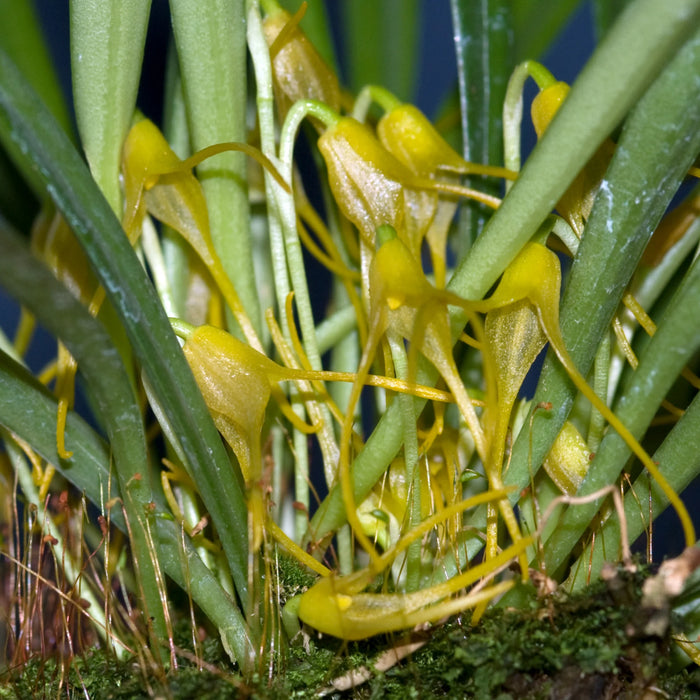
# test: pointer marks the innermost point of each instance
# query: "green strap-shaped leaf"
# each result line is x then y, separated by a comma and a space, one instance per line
211, 47
605, 13
381, 44
484, 47
33, 285
23, 40
536, 23
681, 449
25, 120
28, 409
107, 40
674, 343
661, 139
624, 65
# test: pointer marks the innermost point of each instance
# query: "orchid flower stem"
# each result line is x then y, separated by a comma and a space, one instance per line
409, 418
377, 94
601, 366
260, 54
512, 119
295, 263
539, 74
154, 256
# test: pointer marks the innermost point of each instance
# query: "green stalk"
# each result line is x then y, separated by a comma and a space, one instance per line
25, 45
211, 45
107, 40
176, 251
297, 270
409, 418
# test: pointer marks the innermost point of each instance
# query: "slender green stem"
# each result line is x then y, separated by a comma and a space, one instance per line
409, 418
297, 270
483, 43
264, 99
176, 251
512, 119
601, 367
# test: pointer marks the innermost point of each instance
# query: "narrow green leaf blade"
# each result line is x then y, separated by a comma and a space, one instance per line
624, 65
25, 120
537, 23
33, 285
381, 44
484, 48
211, 47
107, 40
605, 13
24, 42
627, 209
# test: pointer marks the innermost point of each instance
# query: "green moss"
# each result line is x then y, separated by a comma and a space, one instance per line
594, 643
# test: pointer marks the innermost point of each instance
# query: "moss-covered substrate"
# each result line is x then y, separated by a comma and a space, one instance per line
593, 645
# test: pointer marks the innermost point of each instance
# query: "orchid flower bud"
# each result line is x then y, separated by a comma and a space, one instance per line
576, 203
568, 460
546, 104
299, 72
372, 187
409, 136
